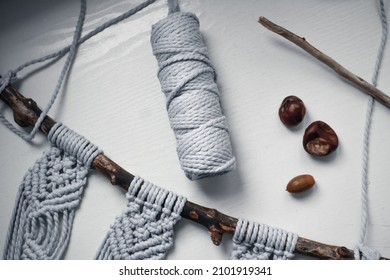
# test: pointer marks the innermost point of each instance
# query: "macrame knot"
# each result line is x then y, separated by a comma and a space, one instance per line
253, 241
9, 78
73, 144
188, 80
363, 252
145, 228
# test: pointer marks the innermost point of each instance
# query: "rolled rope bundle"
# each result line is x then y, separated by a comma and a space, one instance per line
188, 80
51, 191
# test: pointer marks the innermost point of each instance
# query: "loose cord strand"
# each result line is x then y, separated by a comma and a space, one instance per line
64, 72
71, 49
366, 141
173, 6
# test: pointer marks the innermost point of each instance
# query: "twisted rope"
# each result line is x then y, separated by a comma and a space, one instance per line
361, 250
188, 80
253, 241
173, 6
145, 228
50, 192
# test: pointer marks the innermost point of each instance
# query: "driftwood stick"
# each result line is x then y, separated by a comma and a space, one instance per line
26, 112
339, 69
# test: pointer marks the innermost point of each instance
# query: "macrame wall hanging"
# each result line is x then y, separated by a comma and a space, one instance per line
52, 189
49, 196
145, 229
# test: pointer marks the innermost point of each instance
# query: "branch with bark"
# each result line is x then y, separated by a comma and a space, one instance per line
335, 66
26, 113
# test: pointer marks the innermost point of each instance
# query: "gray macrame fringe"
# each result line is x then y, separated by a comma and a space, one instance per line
254, 241
51, 191
144, 231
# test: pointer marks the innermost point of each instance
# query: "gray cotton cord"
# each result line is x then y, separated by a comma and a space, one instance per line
144, 231
254, 241
362, 251
50, 192
188, 80
11, 76
173, 6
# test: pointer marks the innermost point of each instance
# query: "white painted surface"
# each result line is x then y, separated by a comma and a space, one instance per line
113, 97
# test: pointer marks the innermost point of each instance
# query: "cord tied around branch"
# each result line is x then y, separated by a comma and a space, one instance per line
73, 144
254, 241
9, 78
363, 252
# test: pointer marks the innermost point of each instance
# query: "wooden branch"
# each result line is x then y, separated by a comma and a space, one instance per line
26, 112
339, 69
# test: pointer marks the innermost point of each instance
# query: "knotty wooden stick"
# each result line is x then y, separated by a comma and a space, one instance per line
339, 69
26, 112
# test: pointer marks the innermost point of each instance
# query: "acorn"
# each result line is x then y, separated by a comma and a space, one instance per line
300, 183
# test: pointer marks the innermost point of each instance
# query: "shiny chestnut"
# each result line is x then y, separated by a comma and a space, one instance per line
292, 111
320, 139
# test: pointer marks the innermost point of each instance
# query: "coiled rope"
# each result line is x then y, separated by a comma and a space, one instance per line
188, 80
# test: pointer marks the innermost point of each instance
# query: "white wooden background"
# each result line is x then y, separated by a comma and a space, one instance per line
113, 97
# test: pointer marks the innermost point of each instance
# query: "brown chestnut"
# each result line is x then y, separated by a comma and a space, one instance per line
320, 139
300, 183
292, 110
